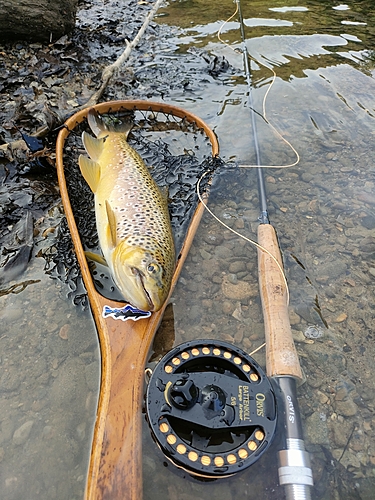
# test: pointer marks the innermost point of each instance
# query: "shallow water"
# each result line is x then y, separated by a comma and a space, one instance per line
323, 210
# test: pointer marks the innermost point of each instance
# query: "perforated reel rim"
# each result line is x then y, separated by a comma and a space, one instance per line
198, 462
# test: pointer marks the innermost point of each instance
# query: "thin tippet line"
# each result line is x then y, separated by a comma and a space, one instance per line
249, 240
264, 113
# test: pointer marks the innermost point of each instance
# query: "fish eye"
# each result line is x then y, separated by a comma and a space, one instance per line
153, 268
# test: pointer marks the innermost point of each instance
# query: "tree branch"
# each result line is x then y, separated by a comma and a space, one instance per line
107, 74
111, 69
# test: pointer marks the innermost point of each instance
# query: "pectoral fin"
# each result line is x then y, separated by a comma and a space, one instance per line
93, 146
111, 224
96, 258
90, 171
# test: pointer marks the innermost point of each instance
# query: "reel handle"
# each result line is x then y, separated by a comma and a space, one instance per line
282, 358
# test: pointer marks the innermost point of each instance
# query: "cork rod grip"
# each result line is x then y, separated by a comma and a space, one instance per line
281, 354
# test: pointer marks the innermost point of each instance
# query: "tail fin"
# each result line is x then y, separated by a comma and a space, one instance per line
100, 128
96, 123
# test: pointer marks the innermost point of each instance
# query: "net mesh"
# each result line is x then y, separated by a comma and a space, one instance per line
177, 153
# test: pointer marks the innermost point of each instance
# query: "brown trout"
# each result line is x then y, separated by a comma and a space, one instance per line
132, 217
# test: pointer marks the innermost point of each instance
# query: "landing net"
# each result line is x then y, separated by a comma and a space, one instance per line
177, 147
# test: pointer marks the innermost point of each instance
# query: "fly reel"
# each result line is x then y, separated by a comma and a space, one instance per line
211, 408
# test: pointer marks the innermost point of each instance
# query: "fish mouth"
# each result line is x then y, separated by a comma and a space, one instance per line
139, 276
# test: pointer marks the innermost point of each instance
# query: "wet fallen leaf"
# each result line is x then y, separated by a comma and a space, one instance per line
313, 205
48, 231
270, 179
341, 317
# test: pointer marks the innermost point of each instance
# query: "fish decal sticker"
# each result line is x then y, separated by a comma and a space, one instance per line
125, 313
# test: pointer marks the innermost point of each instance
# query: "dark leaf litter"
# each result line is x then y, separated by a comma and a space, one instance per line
42, 83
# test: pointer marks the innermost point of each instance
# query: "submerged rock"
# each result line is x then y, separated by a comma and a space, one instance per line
241, 290
21, 435
316, 428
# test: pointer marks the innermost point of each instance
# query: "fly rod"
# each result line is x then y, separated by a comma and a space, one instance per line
282, 364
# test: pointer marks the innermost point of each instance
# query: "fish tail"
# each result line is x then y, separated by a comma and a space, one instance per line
100, 128
96, 122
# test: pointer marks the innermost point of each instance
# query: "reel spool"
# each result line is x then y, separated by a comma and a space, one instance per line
211, 408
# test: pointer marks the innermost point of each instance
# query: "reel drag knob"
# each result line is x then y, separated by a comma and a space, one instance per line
183, 394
